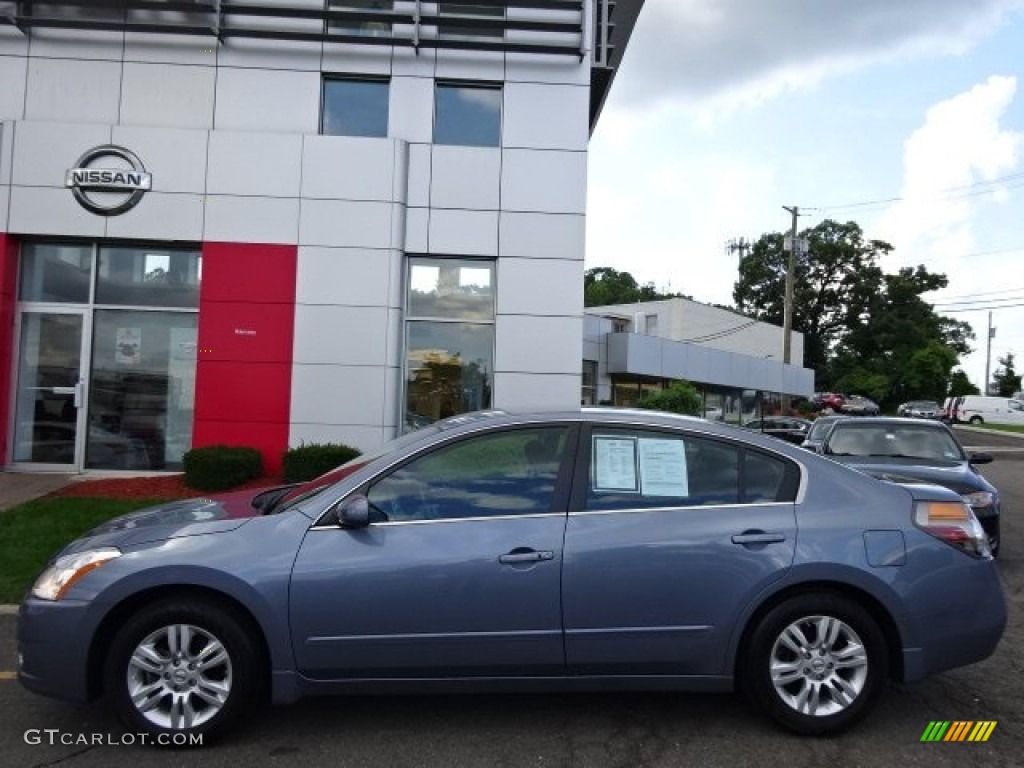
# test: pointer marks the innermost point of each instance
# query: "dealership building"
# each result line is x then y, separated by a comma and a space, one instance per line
288, 221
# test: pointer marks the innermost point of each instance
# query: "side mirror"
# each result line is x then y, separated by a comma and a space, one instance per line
354, 512
980, 458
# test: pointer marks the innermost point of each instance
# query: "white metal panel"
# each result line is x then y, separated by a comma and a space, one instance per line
43, 152
546, 116
161, 217
542, 235
338, 394
13, 42
171, 49
539, 287
73, 90
345, 223
5, 197
465, 177
176, 158
411, 108
517, 347
51, 211
267, 100
345, 59
532, 391
470, 65
167, 95
417, 230
347, 168
76, 44
347, 276
242, 163
13, 73
418, 179
544, 181
326, 334
361, 437
251, 219
469, 233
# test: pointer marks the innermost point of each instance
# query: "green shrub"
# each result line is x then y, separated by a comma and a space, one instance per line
219, 467
309, 461
679, 397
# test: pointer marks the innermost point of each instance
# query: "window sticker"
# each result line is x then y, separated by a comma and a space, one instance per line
663, 468
615, 464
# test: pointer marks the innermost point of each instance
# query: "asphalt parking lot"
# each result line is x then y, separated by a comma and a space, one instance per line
575, 731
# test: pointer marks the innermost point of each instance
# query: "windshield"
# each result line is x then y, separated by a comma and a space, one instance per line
819, 428
897, 441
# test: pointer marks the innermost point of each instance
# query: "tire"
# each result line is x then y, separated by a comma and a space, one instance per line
816, 663
157, 684
977, 420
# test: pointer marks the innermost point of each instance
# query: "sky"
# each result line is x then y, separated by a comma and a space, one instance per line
906, 116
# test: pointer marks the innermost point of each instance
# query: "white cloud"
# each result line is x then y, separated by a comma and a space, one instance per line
724, 53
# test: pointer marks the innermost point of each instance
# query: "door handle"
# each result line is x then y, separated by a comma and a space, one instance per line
758, 537
526, 556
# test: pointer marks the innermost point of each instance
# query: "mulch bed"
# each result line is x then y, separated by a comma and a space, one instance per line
160, 487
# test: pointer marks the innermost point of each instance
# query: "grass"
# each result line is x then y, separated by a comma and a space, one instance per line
1002, 427
32, 532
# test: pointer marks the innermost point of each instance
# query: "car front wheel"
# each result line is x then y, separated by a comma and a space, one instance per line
817, 663
176, 670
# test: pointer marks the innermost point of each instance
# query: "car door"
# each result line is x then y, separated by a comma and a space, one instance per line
670, 535
458, 573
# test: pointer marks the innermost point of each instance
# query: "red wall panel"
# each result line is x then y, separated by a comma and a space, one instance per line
246, 335
8, 299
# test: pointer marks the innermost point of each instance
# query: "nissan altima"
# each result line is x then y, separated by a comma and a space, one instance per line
589, 549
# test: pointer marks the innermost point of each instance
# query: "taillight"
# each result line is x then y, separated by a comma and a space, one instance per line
953, 523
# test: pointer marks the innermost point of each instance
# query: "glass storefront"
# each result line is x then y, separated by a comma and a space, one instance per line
449, 339
107, 356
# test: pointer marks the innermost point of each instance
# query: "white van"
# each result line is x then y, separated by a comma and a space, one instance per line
977, 409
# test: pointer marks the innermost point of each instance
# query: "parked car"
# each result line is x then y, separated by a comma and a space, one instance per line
915, 451
920, 409
789, 428
819, 430
828, 401
857, 405
593, 548
977, 409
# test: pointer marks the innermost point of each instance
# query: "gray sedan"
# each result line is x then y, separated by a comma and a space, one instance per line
582, 550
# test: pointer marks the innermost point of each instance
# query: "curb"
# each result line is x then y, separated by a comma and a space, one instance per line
8, 610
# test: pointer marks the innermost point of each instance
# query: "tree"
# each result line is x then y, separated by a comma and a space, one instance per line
679, 397
1007, 380
604, 285
960, 385
865, 331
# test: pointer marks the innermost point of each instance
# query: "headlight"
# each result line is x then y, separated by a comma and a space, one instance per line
979, 498
56, 580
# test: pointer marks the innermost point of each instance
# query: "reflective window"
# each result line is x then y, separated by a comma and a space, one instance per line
467, 115
451, 289
461, 20
355, 107
55, 272
499, 474
142, 389
639, 470
148, 277
365, 28
589, 393
448, 370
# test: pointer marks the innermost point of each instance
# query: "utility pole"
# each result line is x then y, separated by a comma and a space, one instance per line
988, 355
787, 322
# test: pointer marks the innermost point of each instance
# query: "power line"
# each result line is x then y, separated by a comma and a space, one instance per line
980, 309
992, 302
964, 190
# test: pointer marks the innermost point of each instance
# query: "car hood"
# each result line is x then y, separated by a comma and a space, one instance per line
189, 517
957, 477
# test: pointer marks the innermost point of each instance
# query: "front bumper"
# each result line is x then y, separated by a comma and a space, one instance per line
53, 648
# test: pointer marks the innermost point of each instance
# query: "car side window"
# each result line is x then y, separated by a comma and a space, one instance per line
638, 470
499, 474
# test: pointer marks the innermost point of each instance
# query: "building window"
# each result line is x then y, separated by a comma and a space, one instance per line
651, 325
363, 28
355, 107
463, 20
449, 338
467, 114
589, 393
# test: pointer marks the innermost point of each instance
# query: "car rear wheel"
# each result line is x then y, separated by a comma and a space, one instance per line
977, 420
178, 669
816, 664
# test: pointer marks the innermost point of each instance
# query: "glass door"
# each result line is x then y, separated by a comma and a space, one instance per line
50, 414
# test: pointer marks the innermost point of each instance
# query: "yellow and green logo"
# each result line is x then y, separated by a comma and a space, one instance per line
958, 730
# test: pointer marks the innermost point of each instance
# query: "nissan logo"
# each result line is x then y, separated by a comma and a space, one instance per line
94, 185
